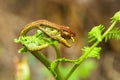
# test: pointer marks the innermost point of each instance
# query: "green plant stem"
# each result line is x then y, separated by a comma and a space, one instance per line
82, 58
47, 64
109, 29
58, 77
43, 59
55, 46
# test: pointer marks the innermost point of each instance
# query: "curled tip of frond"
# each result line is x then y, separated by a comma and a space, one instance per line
49, 33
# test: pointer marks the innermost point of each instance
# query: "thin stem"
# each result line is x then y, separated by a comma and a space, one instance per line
41, 58
44, 60
59, 77
109, 29
47, 64
71, 71
82, 58
55, 46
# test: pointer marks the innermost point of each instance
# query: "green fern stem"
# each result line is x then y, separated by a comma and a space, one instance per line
55, 46
59, 77
109, 29
41, 58
83, 57
47, 64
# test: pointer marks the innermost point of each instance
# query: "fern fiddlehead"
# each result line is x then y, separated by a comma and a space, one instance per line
49, 32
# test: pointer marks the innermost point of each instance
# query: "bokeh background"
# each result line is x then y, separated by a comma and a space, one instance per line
80, 15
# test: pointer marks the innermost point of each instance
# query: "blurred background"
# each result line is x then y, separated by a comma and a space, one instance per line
80, 15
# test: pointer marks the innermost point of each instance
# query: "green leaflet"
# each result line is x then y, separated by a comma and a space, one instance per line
36, 42
116, 17
96, 33
89, 53
114, 34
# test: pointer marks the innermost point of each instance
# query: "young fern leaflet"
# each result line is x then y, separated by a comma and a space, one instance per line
113, 34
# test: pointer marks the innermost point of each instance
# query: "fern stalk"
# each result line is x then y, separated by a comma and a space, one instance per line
83, 57
109, 29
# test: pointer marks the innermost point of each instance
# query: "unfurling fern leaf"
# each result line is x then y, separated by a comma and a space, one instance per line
96, 33
113, 34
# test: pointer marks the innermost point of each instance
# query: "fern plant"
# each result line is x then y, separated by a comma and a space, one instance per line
114, 34
50, 34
